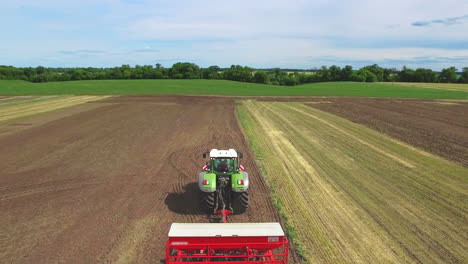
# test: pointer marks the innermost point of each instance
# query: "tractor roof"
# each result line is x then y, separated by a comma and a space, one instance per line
222, 153
225, 229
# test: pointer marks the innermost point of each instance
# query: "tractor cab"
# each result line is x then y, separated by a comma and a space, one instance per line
223, 161
223, 165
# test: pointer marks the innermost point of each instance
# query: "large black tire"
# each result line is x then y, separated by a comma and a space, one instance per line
240, 202
208, 201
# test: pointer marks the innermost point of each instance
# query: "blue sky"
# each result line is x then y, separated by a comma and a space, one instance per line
287, 34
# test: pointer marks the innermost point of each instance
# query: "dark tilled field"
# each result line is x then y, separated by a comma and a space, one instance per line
104, 181
440, 127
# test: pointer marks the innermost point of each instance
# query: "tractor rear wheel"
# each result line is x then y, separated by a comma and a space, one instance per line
208, 201
240, 202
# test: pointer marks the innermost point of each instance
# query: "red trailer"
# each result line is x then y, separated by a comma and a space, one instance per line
229, 243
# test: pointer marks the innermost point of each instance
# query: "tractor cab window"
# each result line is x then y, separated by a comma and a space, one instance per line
223, 164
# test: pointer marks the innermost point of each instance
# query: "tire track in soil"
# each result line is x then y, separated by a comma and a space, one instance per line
104, 185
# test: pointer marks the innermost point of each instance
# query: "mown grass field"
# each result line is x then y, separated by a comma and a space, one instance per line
20, 107
222, 87
445, 86
353, 195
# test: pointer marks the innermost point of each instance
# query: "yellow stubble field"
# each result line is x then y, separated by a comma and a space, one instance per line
352, 195
17, 107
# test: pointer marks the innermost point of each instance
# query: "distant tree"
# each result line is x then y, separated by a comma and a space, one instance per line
424, 75
284, 79
238, 73
464, 77
289, 80
448, 75
64, 77
305, 78
276, 76
355, 77
137, 73
211, 72
261, 77
377, 71
161, 73
184, 70
276, 71
364, 75
40, 70
335, 73
390, 75
126, 71
115, 73
12, 73
323, 74
147, 71
78, 74
38, 78
29, 73
346, 73
406, 75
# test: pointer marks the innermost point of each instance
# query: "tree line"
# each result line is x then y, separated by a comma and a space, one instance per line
275, 76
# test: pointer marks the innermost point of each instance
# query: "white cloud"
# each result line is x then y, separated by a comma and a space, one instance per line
258, 33
247, 19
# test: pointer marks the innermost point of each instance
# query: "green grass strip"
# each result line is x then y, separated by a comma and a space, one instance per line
222, 87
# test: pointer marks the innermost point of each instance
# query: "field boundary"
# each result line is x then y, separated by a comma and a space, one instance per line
296, 246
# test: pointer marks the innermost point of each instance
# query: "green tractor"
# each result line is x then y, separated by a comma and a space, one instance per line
223, 183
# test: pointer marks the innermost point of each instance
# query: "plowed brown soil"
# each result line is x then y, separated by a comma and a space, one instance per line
104, 184
440, 127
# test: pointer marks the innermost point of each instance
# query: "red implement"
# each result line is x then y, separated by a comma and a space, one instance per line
224, 214
227, 243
